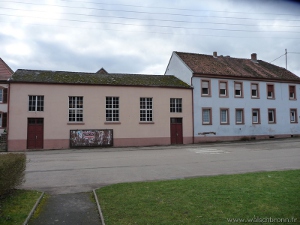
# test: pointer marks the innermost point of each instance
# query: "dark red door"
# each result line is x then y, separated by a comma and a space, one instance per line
176, 131
35, 133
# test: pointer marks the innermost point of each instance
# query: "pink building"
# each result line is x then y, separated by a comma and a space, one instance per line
59, 110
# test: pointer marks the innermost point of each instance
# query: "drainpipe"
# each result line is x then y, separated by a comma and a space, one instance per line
193, 126
7, 118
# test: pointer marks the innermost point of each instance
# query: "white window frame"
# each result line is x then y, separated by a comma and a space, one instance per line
206, 116
146, 109
295, 119
241, 116
77, 110
175, 105
257, 116
272, 113
240, 89
257, 90
112, 109
272, 96
35, 103
224, 112
203, 85
223, 86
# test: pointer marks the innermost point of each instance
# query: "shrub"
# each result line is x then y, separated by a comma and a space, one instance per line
12, 171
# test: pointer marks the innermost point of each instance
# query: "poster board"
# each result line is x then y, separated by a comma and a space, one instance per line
91, 138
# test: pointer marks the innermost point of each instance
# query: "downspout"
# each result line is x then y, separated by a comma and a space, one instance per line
7, 118
193, 126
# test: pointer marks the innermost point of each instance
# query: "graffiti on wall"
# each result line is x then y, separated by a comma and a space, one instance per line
91, 138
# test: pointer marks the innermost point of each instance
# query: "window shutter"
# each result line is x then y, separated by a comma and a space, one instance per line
237, 86
4, 119
222, 85
4, 95
270, 88
204, 84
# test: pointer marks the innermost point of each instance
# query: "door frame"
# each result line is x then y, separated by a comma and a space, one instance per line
36, 124
177, 121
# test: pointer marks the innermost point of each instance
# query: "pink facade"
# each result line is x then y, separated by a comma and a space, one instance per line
128, 131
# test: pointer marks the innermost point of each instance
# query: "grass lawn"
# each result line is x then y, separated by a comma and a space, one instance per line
15, 207
262, 196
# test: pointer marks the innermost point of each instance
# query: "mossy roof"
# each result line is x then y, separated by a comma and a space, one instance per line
64, 77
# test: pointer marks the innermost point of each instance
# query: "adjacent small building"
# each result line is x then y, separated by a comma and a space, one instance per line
5, 73
236, 98
59, 110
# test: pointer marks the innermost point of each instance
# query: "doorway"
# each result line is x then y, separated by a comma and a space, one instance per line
176, 131
35, 133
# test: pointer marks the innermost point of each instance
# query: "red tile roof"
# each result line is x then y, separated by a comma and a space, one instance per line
5, 70
225, 65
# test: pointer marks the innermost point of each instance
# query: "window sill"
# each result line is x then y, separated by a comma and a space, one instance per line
205, 95
271, 98
146, 122
112, 122
253, 97
75, 123
271, 122
293, 99
239, 96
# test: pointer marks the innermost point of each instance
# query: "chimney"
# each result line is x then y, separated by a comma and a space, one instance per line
215, 54
254, 57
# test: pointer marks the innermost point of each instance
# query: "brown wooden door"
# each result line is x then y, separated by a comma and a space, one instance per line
35, 133
176, 131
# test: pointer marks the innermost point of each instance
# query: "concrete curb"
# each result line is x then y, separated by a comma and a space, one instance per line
99, 208
33, 209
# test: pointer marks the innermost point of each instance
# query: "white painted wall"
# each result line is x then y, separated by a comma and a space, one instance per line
281, 103
179, 69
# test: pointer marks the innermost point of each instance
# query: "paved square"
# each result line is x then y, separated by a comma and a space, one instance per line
79, 170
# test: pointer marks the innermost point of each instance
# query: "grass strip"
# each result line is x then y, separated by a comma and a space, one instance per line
224, 199
15, 206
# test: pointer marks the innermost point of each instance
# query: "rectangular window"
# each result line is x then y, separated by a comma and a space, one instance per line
255, 116
175, 105
271, 115
254, 90
224, 116
223, 88
36, 103
112, 108
292, 92
205, 87
3, 95
75, 109
239, 116
206, 116
238, 89
3, 120
270, 91
146, 110
293, 116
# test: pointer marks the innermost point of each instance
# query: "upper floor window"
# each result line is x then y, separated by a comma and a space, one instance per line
205, 88
206, 116
224, 116
238, 89
293, 116
255, 116
176, 105
271, 115
292, 92
36, 103
112, 108
270, 91
3, 95
223, 88
146, 110
75, 109
254, 90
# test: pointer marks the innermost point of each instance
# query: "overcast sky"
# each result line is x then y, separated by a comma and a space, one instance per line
139, 36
